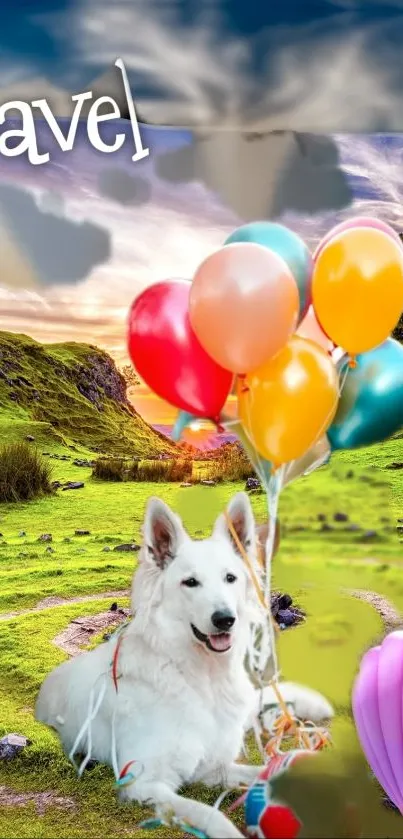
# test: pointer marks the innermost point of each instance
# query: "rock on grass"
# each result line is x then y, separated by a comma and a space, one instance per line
11, 745
284, 612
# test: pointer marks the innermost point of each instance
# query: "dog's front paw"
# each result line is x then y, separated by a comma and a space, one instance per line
309, 704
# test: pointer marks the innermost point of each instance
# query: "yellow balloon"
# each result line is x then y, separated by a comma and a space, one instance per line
357, 288
287, 404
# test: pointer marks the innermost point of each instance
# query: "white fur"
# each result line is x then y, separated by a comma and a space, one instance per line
181, 710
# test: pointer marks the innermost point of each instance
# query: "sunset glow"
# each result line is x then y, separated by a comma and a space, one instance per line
167, 237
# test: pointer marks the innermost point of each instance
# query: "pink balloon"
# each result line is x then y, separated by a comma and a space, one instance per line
390, 686
310, 328
243, 305
377, 708
360, 221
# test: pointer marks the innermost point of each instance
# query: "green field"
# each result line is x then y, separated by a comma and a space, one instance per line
70, 399
315, 565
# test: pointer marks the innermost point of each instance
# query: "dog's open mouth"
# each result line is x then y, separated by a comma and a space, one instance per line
217, 643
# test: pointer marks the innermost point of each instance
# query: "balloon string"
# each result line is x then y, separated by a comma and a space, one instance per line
273, 486
246, 559
271, 499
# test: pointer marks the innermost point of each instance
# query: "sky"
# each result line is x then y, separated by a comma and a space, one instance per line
80, 237
326, 65
59, 221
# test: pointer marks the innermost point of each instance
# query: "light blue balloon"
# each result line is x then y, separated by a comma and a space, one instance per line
286, 244
183, 420
371, 404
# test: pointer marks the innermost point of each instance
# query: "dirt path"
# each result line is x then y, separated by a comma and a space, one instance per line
79, 633
41, 800
392, 618
52, 602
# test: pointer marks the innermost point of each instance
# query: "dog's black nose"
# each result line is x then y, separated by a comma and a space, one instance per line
222, 620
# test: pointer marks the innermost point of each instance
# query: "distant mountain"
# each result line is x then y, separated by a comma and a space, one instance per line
73, 391
204, 441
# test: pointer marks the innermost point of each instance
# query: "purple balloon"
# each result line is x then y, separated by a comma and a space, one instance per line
377, 709
360, 221
390, 686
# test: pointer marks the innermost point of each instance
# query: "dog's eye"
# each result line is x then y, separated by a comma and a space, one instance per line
230, 578
191, 582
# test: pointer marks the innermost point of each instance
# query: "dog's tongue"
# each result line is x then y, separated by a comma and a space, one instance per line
220, 642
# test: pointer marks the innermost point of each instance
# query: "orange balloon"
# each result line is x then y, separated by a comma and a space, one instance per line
287, 404
243, 305
357, 288
310, 328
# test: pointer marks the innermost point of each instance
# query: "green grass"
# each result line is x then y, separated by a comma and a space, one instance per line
324, 660
313, 566
113, 513
27, 655
69, 392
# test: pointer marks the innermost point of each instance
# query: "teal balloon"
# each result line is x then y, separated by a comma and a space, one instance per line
371, 404
286, 244
183, 420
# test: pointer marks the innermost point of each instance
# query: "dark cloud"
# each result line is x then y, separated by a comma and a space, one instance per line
312, 181
52, 202
117, 185
60, 250
180, 165
262, 174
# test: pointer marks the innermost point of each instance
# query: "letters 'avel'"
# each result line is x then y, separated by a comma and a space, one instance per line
27, 132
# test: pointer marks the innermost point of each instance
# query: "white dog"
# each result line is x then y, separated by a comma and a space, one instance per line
183, 700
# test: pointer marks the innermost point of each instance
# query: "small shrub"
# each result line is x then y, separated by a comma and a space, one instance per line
213, 472
154, 471
151, 470
109, 469
231, 464
164, 470
239, 472
132, 471
24, 473
181, 470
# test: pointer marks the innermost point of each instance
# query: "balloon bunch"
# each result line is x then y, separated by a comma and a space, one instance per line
302, 339
304, 342
265, 311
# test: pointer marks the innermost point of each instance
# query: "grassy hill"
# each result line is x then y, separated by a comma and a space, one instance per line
69, 394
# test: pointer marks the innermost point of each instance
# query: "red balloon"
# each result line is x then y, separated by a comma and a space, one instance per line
168, 356
280, 822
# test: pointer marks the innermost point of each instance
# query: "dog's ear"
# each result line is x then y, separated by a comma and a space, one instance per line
240, 515
163, 531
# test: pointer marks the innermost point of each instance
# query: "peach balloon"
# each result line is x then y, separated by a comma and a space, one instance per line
243, 305
310, 328
288, 403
